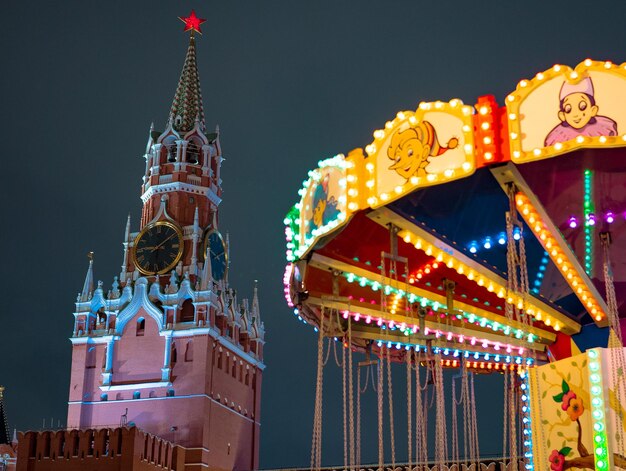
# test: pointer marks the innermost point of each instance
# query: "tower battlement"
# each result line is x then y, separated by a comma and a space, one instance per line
104, 449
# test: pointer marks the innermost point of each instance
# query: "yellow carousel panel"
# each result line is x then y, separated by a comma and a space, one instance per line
563, 109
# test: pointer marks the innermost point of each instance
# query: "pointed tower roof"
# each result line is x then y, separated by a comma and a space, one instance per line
256, 309
5, 438
187, 104
207, 273
88, 285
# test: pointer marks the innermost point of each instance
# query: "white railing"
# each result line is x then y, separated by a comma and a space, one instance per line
486, 464
194, 179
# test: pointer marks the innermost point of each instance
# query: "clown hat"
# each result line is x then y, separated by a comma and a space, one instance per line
584, 86
435, 147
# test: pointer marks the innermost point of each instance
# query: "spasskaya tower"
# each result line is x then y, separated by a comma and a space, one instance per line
169, 347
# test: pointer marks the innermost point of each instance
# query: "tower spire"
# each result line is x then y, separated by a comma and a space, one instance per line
187, 104
88, 285
5, 438
256, 308
207, 273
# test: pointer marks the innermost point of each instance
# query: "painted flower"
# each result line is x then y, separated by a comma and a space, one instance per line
575, 409
567, 397
557, 460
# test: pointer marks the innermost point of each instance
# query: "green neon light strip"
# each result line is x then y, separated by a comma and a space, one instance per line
600, 439
588, 209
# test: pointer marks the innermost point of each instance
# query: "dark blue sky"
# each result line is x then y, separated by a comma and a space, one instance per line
289, 82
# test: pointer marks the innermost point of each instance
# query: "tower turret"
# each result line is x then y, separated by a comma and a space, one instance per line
88, 284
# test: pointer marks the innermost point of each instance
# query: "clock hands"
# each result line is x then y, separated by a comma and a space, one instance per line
161, 244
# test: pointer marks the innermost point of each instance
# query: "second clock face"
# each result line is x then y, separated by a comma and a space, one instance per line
216, 248
158, 248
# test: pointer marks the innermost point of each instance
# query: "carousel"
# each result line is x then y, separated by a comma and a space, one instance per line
485, 239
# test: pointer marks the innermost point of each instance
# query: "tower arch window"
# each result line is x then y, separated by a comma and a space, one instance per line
187, 313
193, 152
170, 393
171, 148
104, 397
137, 395
90, 360
174, 354
141, 327
189, 351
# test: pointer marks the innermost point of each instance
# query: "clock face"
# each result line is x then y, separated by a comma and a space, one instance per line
158, 248
216, 247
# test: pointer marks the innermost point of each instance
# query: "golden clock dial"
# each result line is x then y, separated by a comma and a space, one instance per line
158, 248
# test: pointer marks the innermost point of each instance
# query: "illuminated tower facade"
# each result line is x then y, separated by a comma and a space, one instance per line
169, 347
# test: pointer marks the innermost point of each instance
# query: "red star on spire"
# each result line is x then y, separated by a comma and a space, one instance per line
192, 22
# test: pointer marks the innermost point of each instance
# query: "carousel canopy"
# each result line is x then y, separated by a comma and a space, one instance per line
486, 231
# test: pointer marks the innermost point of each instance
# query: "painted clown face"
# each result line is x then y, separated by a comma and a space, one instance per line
410, 157
577, 110
318, 212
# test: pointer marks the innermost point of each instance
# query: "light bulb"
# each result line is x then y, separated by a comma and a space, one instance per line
487, 243
591, 219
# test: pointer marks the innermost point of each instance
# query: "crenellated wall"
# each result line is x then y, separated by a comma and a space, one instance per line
109, 449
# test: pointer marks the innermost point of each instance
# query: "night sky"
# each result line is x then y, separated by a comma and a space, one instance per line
289, 83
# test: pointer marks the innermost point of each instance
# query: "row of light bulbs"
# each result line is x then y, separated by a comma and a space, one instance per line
450, 336
591, 219
481, 280
490, 242
434, 305
550, 244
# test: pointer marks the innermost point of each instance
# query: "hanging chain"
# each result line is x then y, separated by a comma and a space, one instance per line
474, 422
517, 284
505, 422
618, 370
357, 463
466, 416
409, 407
455, 431
419, 416
380, 410
345, 407
440, 422
351, 392
316, 442
390, 402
